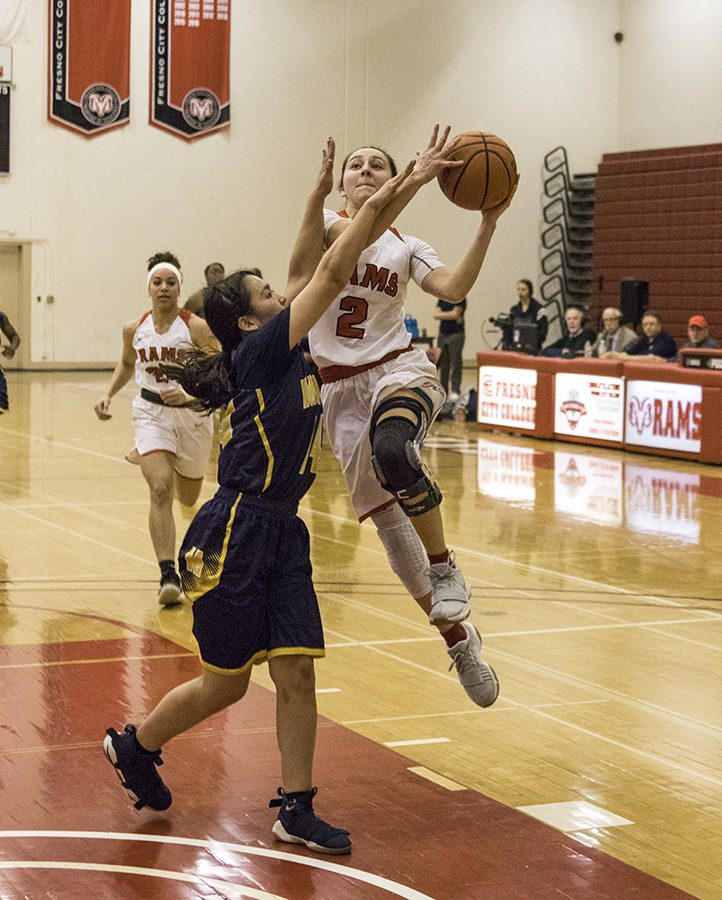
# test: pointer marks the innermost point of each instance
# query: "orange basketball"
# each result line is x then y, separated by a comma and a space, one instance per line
488, 173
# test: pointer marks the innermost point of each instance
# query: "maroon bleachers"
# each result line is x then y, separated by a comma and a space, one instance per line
658, 218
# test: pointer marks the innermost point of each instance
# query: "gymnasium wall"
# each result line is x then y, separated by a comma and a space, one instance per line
538, 73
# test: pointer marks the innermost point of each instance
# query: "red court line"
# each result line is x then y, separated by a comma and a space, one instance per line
447, 845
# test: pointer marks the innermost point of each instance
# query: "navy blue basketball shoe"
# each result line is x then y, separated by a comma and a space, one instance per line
297, 823
136, 769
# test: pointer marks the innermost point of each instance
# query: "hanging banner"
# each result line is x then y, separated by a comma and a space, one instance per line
89, 85
190, 66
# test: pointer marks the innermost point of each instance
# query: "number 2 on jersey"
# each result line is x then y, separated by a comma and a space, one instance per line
357, 310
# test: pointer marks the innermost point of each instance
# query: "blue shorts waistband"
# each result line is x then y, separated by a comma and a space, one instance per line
277, 507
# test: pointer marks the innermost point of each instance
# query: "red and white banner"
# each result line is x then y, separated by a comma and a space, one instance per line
190, 66
589, 406
89, 65
664, 414
507, 396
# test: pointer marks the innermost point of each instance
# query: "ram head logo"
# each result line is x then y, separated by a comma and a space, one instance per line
640, 413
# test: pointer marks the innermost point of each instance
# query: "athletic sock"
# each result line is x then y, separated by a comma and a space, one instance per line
435, 558
167, 567
455, 634
141, 748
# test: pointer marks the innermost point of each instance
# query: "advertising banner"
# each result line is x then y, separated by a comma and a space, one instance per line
589, 406
89, 65
664, 414
190, 66
507, 396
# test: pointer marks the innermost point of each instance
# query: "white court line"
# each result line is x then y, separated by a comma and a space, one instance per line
328, 690
441, 780
226, 888
525, 633
659, 760
470, 712
502, 560
386, 884
417, 741
77, 534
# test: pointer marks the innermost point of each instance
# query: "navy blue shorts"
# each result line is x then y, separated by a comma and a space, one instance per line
245, 566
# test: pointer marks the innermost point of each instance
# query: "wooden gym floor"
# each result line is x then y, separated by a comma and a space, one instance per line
598, 773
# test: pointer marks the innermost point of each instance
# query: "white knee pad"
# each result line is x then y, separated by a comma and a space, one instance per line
405, 552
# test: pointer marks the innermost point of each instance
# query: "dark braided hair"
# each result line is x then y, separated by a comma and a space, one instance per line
206, 376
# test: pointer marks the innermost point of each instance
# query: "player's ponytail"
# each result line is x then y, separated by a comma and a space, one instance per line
206, 376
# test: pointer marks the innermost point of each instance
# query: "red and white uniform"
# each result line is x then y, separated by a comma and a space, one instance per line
361, 347
183, 432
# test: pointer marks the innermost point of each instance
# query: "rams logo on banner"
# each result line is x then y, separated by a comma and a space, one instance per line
100, 104
201, 109
640, 413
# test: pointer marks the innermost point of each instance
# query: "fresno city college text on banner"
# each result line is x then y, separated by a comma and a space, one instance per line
89, 65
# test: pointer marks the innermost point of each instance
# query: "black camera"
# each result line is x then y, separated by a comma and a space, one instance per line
516, 334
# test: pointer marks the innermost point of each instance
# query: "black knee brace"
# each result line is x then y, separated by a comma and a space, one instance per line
396, 459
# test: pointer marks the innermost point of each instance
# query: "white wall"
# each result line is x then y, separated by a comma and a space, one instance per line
537, 72
671, 73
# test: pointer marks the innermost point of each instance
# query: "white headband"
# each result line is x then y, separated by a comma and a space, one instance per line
165, 265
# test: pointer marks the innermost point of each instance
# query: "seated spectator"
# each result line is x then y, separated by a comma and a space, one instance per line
656, 345
213, 272
698, 334
529, 310
574, 342
614, 335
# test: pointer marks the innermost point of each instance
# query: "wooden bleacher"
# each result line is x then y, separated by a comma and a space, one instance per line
658, 218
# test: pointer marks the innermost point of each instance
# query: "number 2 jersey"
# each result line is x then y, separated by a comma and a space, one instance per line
269, 429
366, 320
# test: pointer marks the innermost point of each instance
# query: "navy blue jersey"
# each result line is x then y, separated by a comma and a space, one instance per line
270, 425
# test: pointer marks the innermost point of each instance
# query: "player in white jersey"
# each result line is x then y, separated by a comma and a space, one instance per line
172, 443
380, 395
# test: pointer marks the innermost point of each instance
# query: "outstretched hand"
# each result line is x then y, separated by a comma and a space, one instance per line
435, 158
324, 184
491, 215
389, 189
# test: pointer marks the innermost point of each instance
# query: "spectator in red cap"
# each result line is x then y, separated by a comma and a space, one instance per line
698, 334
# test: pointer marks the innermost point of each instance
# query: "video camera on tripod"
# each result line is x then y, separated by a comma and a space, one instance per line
516, 334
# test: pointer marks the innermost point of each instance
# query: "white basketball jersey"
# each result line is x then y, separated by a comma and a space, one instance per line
152, 348
366, 320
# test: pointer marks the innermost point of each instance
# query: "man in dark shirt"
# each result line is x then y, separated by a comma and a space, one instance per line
577, 337
656, 345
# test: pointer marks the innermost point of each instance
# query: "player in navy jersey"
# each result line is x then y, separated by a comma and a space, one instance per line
245, 561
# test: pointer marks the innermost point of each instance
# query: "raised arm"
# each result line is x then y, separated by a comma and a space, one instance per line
454, 284
308, 249
122, 373
338, 262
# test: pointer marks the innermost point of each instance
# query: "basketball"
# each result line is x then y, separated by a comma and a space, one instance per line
488, 173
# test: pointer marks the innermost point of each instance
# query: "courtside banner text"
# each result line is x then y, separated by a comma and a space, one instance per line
507, 396
89, 65
190, 66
